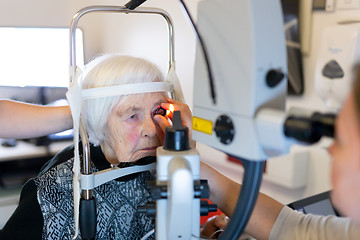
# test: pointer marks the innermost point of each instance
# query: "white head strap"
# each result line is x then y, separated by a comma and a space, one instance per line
76, 95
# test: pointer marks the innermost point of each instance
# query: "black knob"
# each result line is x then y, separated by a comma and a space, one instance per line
159, 192
87, 218
201, 190
224, 129
274, 77
149, 209
205, 208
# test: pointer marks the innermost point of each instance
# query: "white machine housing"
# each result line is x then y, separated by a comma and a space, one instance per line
245, 40
178, 216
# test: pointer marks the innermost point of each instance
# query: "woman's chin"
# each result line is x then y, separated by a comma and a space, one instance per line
143, 153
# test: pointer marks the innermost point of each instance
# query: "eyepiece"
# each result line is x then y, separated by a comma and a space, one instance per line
310, 129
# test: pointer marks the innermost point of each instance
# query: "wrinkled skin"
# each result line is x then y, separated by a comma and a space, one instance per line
131, 132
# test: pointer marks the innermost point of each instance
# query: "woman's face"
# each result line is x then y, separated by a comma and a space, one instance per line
131, 132
345, 172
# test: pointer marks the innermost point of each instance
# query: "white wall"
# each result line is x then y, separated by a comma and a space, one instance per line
146, 36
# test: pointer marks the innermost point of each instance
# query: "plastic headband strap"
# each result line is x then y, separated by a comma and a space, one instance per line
126, 89
172, 78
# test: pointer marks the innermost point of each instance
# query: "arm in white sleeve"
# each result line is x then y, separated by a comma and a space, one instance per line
291, 224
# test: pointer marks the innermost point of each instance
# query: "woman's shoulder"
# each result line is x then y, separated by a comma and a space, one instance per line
61, 157
58, 171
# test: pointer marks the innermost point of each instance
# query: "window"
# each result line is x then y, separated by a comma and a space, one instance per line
37, 57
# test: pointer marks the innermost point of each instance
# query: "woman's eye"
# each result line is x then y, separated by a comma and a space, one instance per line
159, 111
133, 117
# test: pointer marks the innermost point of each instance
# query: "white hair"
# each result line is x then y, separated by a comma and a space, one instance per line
111, 70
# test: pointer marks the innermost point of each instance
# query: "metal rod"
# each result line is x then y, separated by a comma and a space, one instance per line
86, 148
86, 169
120, 9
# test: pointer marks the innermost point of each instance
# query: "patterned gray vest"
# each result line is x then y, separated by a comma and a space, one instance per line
116, 202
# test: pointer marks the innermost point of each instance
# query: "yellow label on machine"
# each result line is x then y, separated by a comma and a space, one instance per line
202, 125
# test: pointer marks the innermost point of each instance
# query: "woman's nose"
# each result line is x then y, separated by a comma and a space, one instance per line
149, 127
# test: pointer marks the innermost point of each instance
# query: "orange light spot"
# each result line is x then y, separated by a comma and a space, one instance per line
171, 108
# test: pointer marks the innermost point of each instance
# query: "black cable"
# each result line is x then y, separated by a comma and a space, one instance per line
134, 4
202, 43
247, 199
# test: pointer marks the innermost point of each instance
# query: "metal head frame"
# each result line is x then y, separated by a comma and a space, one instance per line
87, 194
88, 216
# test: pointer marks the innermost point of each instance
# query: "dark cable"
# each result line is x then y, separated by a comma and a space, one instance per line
246, 201
134, 4
211, 79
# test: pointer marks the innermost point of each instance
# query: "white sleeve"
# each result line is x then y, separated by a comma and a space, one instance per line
291, 224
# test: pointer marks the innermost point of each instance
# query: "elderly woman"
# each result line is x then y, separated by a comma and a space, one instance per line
123, 131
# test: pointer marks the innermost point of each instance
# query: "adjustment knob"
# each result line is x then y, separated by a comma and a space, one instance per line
224, 129
274, 77
176, 136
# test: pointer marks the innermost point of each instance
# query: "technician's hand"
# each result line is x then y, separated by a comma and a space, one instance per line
215, 226
186, 116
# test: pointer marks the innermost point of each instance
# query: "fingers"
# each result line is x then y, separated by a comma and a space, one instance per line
221, 221
162, 122
178, 106
215, 224
186, 114
209, 228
